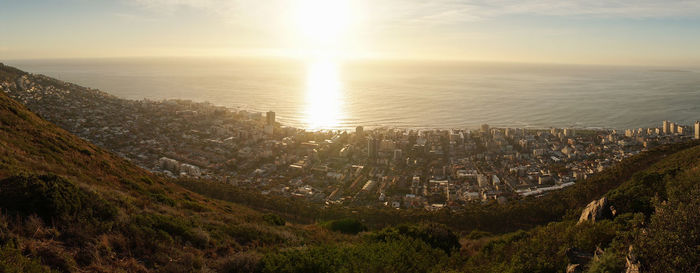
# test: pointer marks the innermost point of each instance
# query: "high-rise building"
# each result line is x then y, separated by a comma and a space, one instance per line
672, 128
484, 128
270, 117
697, 130
569, 132
269, 129
360, 131
398, 155
372, 149
665, 128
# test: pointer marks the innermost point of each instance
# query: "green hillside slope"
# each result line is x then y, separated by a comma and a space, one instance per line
70, 206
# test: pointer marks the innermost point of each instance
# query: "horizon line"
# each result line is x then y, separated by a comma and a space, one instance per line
350, 60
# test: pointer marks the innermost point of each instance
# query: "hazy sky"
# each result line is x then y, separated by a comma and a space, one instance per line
608, 32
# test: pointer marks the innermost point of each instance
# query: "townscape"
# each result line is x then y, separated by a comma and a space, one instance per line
399, 168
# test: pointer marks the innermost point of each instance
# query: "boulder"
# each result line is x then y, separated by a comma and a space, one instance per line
573, 268
632, 262
595, 210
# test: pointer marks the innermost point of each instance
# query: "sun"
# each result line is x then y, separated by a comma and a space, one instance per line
323, 23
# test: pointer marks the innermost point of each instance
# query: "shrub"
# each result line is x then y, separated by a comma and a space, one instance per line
241, 262
435, 235
193, 206
12, 261
478, 234
161, 198
347, 226
403, 255
161, 227
274, 219
53, 198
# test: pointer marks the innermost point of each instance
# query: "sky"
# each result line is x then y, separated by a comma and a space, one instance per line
618, 32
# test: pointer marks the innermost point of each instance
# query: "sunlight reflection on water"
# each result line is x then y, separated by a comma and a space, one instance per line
324, 95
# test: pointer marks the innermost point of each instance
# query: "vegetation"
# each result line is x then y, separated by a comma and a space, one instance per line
403, 254
663, 238
492, 217
69, 206
347, 226
274, 219
53, 198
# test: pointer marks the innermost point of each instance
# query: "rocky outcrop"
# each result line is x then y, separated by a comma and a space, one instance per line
573, 268
632, 262
595, 210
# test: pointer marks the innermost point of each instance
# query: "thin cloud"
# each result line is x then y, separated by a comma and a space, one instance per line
451, 11
406, 12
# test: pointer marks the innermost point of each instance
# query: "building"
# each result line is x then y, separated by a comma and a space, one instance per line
386, 145
372, 149
269, 129
270, 117
360, 131
697, 130
672, 128
666, 127
369, 185
398, 155
569, 132
484, 128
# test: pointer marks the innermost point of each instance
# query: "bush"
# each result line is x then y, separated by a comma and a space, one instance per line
12, 261
670, 242
274, 219
193, 206
347, 226
435, 235
608, 262
403, 255
478, 234
241, 262
152, 230
161, 198
53, 198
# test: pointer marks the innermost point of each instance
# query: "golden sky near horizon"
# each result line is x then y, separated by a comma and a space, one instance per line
619, 32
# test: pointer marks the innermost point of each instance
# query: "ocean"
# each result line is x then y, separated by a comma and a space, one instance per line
324, 94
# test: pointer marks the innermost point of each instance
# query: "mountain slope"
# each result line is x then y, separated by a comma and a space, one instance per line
68, 205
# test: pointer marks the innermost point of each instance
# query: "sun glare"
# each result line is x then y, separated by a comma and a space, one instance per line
323, 26
323, 23
323, 95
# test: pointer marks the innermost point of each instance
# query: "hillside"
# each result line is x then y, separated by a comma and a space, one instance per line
67, 205
70, 206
